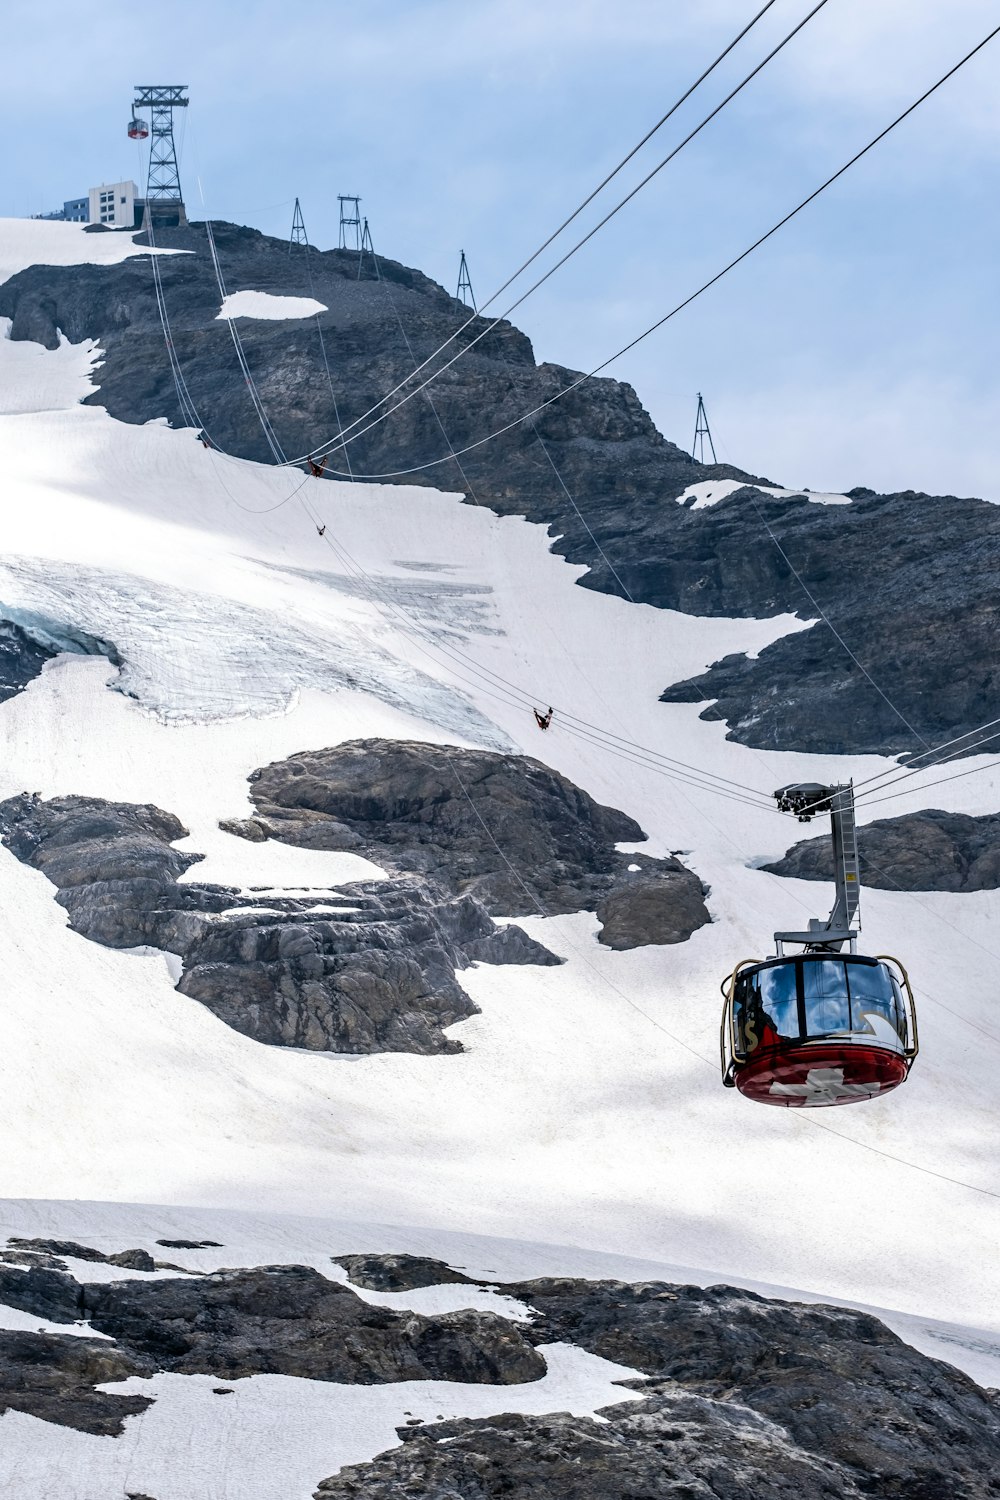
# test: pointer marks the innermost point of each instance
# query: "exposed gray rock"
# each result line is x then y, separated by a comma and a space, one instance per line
44, 1291
909, 580
290, 1320
133, 1260
925, 851
507, 829
671, 1447
847, 1390
52, 1376
661, 902
399, 1273
190, 1244
377, 976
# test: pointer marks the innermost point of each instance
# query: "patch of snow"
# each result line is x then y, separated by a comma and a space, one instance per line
38, 379
275, 1436
14, 1320
443, 1297
267, 305
40, 242
230, 860
815, 497
710, 491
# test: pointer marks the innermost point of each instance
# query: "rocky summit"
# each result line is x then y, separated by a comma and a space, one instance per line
908, 581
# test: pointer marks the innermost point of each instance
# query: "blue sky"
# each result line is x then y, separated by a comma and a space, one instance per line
858, 347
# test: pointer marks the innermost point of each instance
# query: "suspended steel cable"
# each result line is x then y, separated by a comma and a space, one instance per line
639, 755
434, 649
323, 352
827, 621
972, 771
340, 442
265, 423
699, 292
874, 792
580, 207
903, 770
457, 453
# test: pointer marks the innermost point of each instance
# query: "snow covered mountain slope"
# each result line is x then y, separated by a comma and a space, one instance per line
586, 1107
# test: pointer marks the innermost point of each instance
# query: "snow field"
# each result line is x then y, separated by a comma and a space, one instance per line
273, 1437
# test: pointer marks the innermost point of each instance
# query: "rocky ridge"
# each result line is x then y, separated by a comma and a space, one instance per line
910, 580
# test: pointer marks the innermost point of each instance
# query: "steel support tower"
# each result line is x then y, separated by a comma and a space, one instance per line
299, 236
164, 200
701, 432
465, 293
366, 247
350, 221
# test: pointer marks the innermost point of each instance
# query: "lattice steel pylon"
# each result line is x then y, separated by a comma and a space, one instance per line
350, 220
701, 432
164, 200
465, 293
299, 236
366, 245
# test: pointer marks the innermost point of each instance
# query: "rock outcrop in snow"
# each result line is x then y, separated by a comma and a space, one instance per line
372, 975
746, 1397
505, 829
924, 851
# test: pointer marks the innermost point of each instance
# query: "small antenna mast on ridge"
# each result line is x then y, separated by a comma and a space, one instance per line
701, 432
465, 293
299, 236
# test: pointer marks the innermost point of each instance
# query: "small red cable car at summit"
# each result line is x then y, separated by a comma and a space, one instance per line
819, 1027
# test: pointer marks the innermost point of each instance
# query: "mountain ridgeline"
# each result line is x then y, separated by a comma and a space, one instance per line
910, 581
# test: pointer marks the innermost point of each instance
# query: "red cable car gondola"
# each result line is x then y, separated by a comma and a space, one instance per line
138, 130
819, 1027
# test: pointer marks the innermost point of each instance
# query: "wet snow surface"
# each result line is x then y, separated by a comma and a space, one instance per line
586, 1109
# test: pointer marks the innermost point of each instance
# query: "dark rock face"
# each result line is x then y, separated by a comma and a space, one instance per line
925, 851
503, 828
848, 1391
290, 1320
53, 1377
909, 580
21, 659
190, 1244
398, 1273
671, 1447
44, 1292
48, 1250
378, 977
